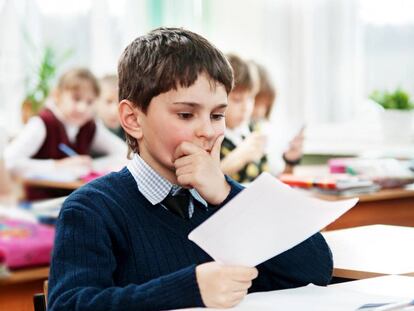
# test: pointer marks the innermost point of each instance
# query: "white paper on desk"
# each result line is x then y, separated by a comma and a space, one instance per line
14, 212
264, 220
310, 298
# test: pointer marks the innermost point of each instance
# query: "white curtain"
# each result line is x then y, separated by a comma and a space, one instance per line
19, 47
103, 50
135, 21
311, 48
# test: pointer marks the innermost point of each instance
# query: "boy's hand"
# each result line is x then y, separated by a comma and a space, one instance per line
223, 286
295, 150
200, 169
252, 148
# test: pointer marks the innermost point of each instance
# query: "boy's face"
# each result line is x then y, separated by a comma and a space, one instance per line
259, 110
240, 108
194, 114
108, 106
77, 104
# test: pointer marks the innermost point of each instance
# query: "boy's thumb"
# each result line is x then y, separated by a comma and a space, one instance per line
215, 151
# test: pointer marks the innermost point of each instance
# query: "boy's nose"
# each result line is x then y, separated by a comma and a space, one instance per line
205, 129
81, 106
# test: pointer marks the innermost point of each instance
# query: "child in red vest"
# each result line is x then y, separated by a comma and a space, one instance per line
60, 139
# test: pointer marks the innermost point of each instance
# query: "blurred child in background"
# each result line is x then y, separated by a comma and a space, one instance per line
243, 150
61, 138
5, 182
263, 104
108, 105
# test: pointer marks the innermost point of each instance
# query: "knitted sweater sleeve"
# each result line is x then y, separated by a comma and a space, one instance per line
83, 264
308, 262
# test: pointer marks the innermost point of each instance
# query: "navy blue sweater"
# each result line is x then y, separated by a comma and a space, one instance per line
114, 250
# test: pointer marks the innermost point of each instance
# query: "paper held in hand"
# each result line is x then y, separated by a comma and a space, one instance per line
264, 220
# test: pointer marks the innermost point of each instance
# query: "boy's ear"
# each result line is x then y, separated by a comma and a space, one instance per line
130, 118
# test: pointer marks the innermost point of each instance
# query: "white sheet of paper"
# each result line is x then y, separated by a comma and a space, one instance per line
14, 212
264, 220
311, 298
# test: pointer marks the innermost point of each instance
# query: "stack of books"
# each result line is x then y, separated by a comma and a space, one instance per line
385, 172
340, 184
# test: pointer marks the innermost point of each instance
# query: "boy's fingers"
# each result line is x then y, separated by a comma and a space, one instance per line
185, 180
242, 273
187, 169
241, 286
215, 151
183, 161
185, 148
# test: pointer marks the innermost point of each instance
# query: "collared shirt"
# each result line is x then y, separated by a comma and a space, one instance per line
238, 134
154, 187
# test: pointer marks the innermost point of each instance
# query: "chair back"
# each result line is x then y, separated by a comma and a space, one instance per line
40, 300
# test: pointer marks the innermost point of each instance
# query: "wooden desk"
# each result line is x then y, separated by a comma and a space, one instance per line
370, 251
390, 206
17, 290
41, 183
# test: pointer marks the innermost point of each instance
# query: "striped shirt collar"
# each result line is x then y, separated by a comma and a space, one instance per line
152, 185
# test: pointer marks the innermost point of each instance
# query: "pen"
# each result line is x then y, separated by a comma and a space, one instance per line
67, 150
395, 306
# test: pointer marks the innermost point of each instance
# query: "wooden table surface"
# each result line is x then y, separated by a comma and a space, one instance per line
69, 185
17, 289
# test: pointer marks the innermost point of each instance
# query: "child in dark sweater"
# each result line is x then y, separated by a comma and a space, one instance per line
121, 242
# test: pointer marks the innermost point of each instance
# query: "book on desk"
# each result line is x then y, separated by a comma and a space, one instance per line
339, 184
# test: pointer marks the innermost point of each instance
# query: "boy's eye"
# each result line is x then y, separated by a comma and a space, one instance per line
185, 115
217, 116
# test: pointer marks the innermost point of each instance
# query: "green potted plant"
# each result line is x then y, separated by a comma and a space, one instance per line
39, 85
397, 116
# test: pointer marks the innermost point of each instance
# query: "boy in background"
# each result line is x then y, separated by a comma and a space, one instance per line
61, 138
108, 105
121, 240
243, 149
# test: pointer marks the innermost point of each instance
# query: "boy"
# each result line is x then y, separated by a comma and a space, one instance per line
108, 105
243, 150
121, 241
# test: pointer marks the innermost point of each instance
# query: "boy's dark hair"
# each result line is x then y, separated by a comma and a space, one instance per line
164, 59
70, 80
245, 75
